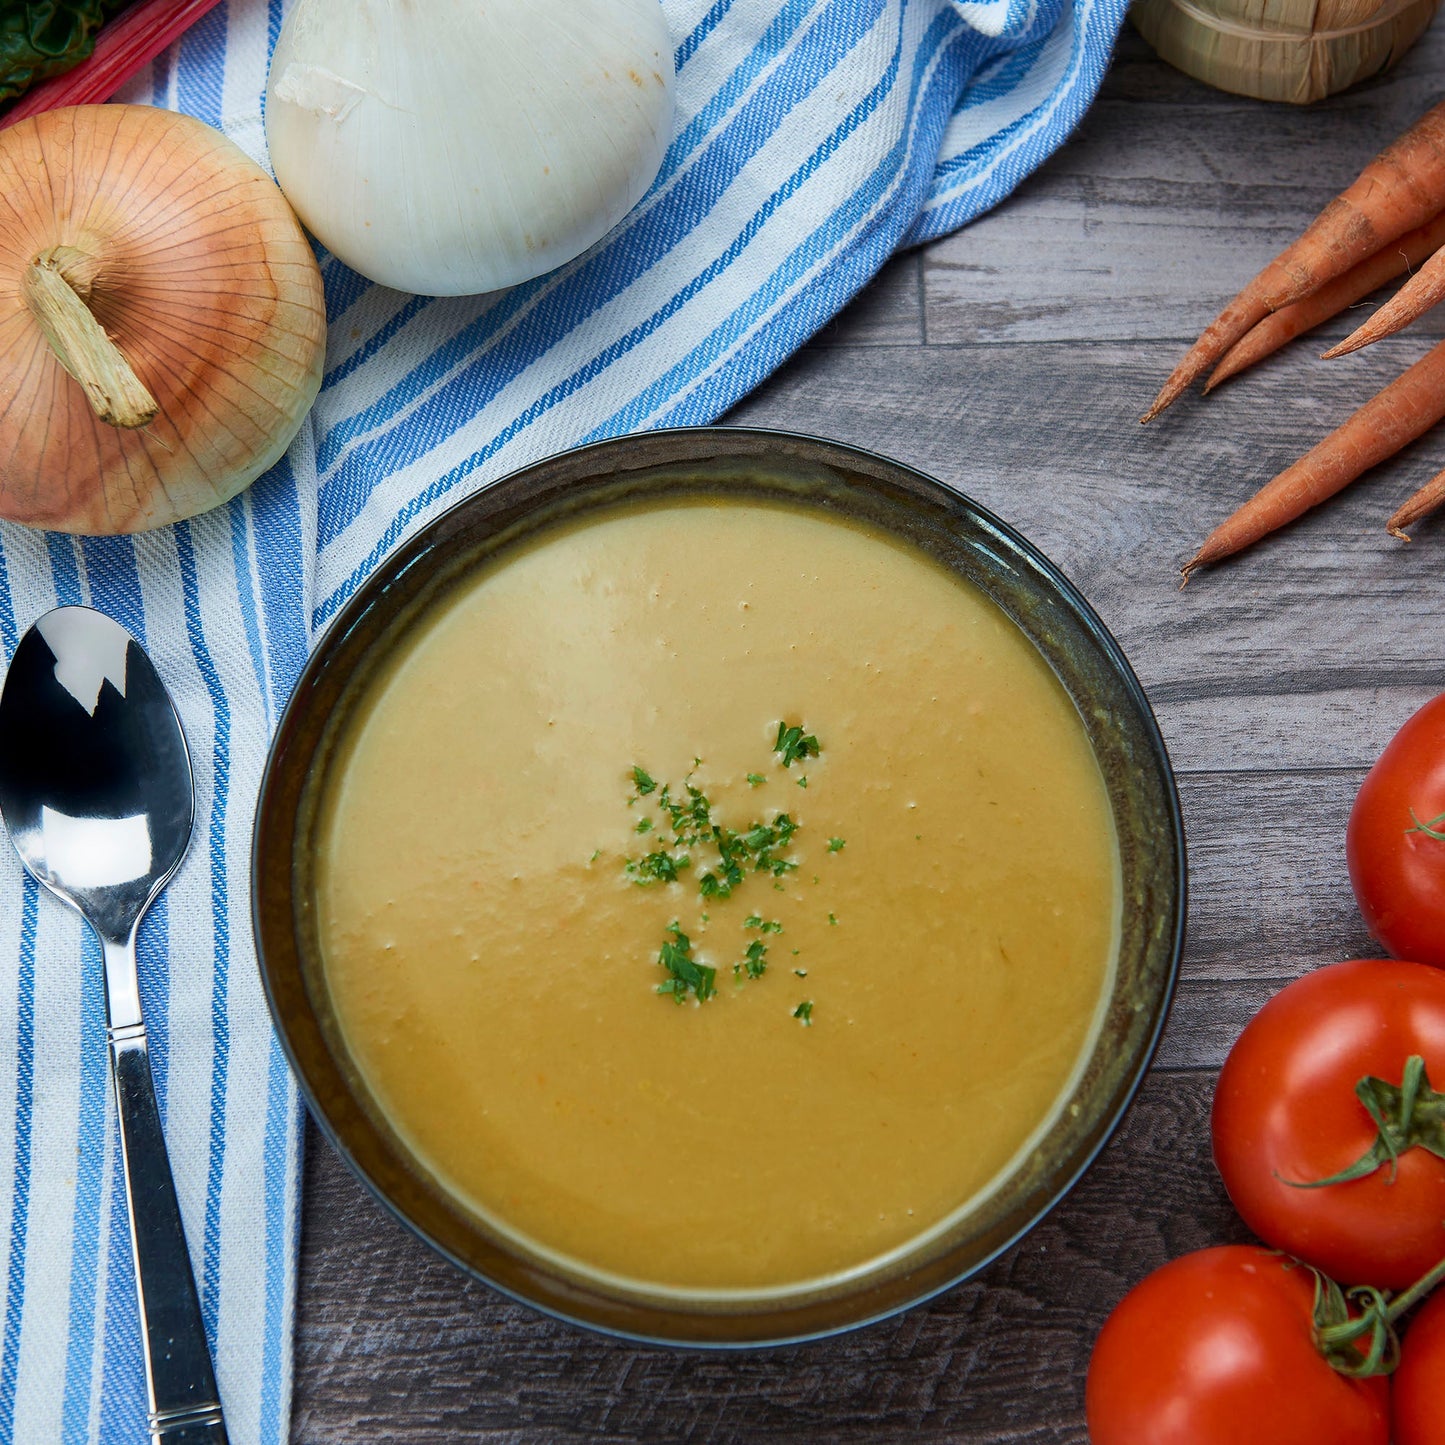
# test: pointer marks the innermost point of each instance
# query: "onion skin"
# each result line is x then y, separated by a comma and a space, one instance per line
461, 146
204, 281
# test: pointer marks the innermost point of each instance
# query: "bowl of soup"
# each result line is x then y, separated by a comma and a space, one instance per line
719, 887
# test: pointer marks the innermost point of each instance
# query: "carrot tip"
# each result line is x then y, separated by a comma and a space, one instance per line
1343, 349
1169, 393
1397, 532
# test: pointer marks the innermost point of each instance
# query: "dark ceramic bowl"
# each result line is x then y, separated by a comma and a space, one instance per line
944, 524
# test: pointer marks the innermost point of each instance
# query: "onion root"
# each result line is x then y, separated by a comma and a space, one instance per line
56, 287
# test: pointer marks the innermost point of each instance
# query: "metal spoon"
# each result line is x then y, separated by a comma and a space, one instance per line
96, 790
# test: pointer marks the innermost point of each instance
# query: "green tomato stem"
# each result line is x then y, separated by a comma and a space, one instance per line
1432, 829
1417, 1291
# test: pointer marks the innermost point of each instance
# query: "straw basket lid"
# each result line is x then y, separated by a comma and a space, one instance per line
1292, 50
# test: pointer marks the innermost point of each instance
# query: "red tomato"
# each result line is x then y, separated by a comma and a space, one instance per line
1216, 1348
1417, 1388
1398, 872
1285, 1112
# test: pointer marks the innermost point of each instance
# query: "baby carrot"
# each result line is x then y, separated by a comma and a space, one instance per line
1403, 187
1298, 317
1425, 501
1413, 299
1404, 410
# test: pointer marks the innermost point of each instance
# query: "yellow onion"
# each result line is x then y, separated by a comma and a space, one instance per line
162, 322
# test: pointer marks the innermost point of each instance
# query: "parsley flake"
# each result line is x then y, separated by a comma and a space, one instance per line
658, 867
685, 974
836, 845
686, 834
793, 743
755, 960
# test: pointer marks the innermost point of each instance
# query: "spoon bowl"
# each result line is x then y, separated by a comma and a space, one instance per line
95, 779
97, 794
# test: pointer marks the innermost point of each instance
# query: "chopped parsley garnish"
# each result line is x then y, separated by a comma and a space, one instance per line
755, 960
659, 867
836, 845
685, 974
688, 835
833, 919
793, 743
804, 1011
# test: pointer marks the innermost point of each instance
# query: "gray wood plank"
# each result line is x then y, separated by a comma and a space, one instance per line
404, 1349
1012, 361
1322, 640
889, 312
1168, 198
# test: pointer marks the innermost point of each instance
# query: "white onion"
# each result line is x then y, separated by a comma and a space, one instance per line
451, 147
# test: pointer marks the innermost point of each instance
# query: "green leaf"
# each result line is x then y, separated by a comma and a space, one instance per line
686, 975
755, 960
659, 867
793, 744
804, 1012
41, 38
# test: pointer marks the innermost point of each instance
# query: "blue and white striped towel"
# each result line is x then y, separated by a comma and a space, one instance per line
813, 138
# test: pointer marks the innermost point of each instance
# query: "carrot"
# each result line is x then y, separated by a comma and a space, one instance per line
1404, 410
1413, 299
1425, 501
1298, 317
1403, 187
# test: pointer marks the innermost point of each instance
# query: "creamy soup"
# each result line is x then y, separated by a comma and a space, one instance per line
717, 895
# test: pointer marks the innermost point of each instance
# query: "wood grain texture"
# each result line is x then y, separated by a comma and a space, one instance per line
410, 1353
1168, 199
1012, 360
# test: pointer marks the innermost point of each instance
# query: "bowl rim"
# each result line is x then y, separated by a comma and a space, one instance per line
677, 447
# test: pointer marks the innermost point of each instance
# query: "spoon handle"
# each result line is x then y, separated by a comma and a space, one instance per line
185, 1408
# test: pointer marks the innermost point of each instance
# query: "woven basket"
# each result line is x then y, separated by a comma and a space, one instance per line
1292, 50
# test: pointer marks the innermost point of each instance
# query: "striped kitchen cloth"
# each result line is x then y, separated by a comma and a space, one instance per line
813, 139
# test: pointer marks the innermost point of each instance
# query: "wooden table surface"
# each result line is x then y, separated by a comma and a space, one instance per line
1012, 360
